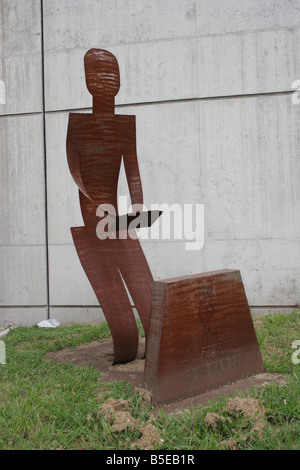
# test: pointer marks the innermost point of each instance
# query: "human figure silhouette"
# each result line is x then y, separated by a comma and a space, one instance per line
96, 144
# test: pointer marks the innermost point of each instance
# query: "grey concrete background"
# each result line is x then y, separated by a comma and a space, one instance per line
210, 83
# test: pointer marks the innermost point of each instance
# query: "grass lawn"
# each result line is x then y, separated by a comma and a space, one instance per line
49, 406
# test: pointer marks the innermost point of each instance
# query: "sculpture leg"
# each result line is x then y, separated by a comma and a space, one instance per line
138, 278
98, 260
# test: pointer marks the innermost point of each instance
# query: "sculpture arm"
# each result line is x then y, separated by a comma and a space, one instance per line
131, 163
72, 155
133, 178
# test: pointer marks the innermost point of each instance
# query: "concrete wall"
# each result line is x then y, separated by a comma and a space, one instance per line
210, 82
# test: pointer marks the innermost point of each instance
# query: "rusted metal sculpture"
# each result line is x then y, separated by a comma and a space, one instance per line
201, 335
96, 144
199, 330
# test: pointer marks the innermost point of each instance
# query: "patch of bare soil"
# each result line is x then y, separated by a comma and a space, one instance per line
250, 408
213, 420
273, 349
133, 366
145, 395
118, 405
100, 354
118, 416
150, 438
230, 444
269, 378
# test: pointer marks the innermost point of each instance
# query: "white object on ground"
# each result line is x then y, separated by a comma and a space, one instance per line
2, 353
4, 332
51, 323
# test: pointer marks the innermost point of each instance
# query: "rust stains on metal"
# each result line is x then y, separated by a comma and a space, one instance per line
96, 145
201, 335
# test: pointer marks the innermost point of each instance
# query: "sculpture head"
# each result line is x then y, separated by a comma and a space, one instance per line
102, 73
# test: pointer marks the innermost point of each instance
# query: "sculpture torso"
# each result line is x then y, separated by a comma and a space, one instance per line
95, 146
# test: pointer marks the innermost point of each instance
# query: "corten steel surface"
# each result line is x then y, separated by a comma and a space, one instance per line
201, 335
96, 145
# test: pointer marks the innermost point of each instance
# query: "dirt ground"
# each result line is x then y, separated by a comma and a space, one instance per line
99, 354
118, 416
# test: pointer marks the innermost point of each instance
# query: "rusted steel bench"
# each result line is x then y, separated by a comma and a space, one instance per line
201, 335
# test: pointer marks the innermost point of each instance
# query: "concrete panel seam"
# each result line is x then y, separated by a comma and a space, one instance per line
181, 100
45, 159
153, 103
